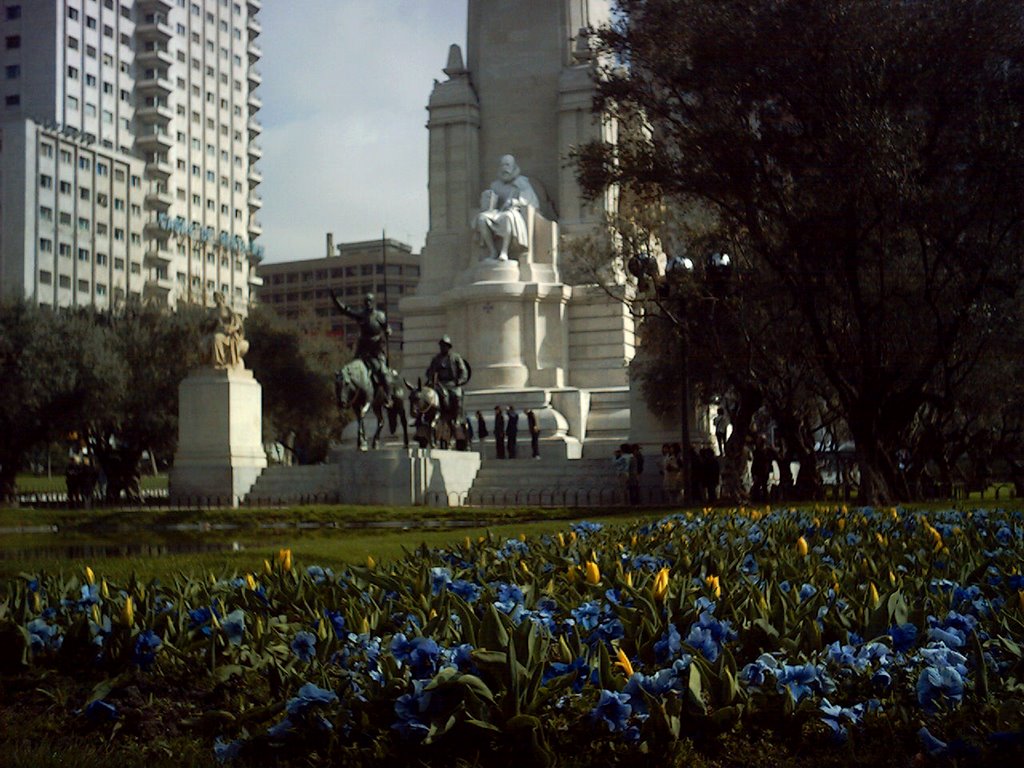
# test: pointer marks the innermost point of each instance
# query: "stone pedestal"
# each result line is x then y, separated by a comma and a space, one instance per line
220, 443
404, 477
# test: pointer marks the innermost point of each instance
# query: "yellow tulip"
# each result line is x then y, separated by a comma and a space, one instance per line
873, 595
714, 585
661, 584
880, 539
128, 612
892, 578
561, 539
104, 589
1020, 598
623, 662
801, 546
259, 627
571, 575
629, 578
841, 523
468, 544
284, 558
525, 569
592, 572
432, 614
96, 617
364, 626
250, 581
522, 537
89, 575
632, 540
37, 603
266, 568
370, 562
572, 536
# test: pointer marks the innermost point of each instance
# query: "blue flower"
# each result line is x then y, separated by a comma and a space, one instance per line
147, 643
612, 710
904, 637
801, 680
577, 667
43, 636
709, 635
234, 626
467, 590
749, 565
669, 645
932, 745
754, 673
439, 579
304, 646
807, 591
584, 527
337, 621
226, 751
937, 684
411, 709
420, 654
309, 696
318, 574
100, 711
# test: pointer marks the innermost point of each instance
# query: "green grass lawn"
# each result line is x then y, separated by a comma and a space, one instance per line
28, 483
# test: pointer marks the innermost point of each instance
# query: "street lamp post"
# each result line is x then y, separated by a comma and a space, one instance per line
677, 285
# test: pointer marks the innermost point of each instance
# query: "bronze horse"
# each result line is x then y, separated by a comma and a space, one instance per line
435, 426
354, 389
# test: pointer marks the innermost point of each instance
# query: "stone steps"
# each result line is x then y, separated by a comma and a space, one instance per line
294, 483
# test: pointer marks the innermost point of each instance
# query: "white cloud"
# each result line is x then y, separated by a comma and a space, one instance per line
345, 88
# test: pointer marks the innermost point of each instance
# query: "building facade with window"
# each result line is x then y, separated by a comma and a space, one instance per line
128, 151
386, 268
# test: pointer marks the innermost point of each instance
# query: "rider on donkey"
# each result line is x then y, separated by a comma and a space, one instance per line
372, 347
447, 373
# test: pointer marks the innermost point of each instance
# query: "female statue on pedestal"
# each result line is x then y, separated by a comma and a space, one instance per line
226, 342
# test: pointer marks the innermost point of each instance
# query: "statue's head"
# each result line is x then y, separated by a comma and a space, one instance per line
369, 301
507, 168
218, 298
445, 343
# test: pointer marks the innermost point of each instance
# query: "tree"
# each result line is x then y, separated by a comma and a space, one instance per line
866, 155
56, 370
295, 363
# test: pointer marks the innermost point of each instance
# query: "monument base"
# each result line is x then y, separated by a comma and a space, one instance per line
220, 443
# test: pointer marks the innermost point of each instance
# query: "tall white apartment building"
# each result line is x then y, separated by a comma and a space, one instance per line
128, 150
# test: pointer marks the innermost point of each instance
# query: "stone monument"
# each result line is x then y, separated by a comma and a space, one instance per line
502, 198
220, 419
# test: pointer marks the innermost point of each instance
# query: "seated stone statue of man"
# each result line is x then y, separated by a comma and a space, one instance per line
501, 221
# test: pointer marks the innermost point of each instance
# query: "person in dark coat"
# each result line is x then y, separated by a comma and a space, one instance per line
481, 427
499, 432
531, 422
512, 430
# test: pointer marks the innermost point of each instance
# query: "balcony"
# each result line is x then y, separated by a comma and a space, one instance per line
154, 142
255, 152
254, 27
155, 6
254, 6
255, 128
152, 230
154, 57
254, 51
158, 288
157, 258
255, 202
155, 28
254, 279
158, 114
159, 200
254, 176
255, 228
160, 170
255, 103
255, 78
154, 86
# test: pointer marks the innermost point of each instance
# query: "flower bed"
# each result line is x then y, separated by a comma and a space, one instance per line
872, 629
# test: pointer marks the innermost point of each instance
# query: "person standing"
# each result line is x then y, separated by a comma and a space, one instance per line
481, 427
499, 432
512, 430
722, 425
531, 422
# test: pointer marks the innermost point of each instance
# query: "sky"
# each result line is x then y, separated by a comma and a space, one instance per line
345, 89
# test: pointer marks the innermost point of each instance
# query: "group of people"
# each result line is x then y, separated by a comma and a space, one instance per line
506, 431
705, 472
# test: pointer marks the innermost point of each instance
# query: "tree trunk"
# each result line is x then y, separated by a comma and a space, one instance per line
750, 399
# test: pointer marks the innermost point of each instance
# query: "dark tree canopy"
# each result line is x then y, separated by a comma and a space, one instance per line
867, 156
